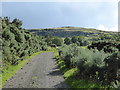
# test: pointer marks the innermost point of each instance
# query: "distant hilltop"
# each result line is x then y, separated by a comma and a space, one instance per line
69, 31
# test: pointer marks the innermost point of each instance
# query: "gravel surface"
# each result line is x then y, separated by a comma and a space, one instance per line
40, 72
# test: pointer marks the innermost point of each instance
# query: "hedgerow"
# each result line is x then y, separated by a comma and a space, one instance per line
18, 42
92, 64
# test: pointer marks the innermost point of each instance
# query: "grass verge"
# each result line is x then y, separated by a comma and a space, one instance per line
9, 70
72, 81
69, 75
50, 49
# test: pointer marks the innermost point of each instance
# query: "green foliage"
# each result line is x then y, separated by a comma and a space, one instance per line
67, 41
53, 41
116, 84
18, 43
74, 39
113, 66
107, 46
92, 63
67, 55
6, 50
70, 72
7, 20
48, 40
75, 82
74, 31
5, 33
57, 41
19, 37
17, 22
79, 40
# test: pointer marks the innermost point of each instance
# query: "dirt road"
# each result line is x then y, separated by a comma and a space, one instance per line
40, 72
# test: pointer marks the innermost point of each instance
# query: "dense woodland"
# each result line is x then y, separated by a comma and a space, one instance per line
96, 54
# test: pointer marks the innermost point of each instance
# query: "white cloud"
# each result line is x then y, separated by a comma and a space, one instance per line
102, 27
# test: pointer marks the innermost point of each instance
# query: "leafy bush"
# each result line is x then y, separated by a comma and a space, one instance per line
79, 40
74, 39
18, 42
107, 46
91, 63
17, 22
113, 65
19, 37
67, 55
57, 41
67, 41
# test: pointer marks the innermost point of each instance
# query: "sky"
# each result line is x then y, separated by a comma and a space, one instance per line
99, 15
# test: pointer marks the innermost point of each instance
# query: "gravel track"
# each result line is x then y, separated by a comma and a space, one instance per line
40, 72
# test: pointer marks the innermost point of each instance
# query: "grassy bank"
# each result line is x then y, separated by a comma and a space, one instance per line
9, 70
50, 49
72, 80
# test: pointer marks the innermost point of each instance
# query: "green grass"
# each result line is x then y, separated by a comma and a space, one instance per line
61, 65
10, 70
79, 83
70, 72
53, 50
76, 83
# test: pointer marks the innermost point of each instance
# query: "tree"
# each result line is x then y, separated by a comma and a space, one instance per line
48, 40
17, 22
74, 39
57, 41
67, 41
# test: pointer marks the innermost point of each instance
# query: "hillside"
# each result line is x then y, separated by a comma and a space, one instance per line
69, 32
83, 55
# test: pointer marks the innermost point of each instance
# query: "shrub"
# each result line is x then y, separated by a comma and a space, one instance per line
5, 43
66, 54
74, 39
53, 45
107, 46
18, 42
17, 22
113, 65
6, 51
57, 41
91, 63
67, 41
5, 33
19, 37
24, 53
